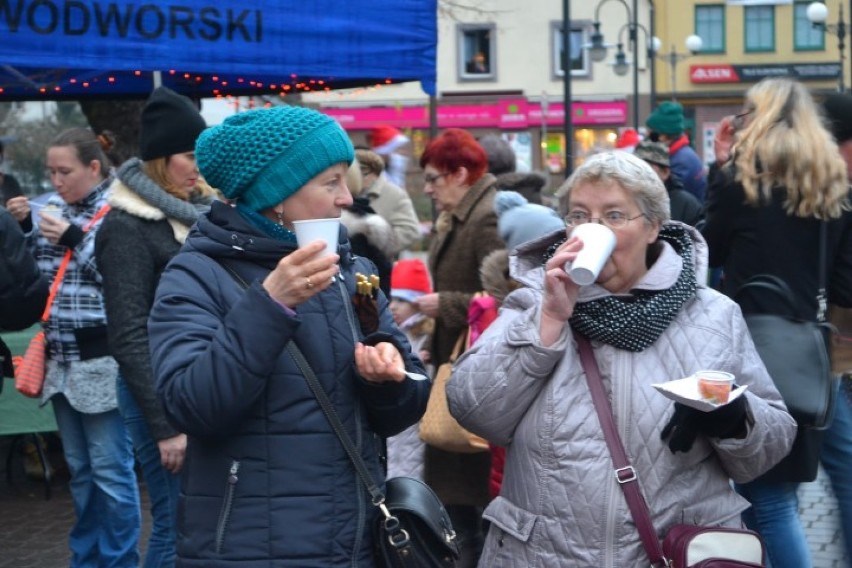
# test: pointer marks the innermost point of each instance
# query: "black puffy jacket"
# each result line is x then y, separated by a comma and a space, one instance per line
266, 481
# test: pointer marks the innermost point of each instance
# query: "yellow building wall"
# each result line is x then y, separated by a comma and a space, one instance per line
675, 20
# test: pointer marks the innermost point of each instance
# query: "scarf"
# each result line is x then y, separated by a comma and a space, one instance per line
635, 322
269, 228
186, 212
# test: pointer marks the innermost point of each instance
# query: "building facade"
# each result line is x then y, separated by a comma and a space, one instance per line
743, 41
500, 71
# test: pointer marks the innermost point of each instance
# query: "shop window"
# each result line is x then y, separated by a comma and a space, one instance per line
477, 52
759, 28
579, 56
806, 36
710, 27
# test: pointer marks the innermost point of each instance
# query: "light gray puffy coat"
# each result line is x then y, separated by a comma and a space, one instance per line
560, 504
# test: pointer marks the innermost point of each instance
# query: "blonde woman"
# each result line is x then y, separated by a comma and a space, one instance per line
155, 200
779, 176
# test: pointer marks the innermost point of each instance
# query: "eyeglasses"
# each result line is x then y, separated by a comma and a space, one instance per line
738, 122
613, 219
430, 179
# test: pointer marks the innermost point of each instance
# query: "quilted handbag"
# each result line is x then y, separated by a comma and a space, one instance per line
29, 375
701, 547
438, 428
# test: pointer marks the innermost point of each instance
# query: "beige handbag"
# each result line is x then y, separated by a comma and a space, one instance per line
438, 428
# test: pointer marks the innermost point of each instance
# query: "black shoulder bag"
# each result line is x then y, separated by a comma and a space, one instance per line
796, 352
413, 530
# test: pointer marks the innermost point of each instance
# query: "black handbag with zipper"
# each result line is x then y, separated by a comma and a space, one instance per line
796, 353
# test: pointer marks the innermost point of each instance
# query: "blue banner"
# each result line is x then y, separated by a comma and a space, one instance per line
266, 41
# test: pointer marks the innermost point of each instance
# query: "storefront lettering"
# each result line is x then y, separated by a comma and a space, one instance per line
149, 21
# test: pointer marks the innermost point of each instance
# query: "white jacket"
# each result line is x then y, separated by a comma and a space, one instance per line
560, 504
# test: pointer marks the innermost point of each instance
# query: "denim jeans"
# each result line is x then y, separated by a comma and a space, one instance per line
163, 486
774, 514
103, 488
836, 459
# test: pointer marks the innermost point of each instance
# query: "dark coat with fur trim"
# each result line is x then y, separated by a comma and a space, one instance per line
266, 481
463, 239
371, 237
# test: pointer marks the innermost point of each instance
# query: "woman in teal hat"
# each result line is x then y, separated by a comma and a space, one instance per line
266, 479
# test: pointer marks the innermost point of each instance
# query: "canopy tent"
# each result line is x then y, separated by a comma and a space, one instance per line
68, 49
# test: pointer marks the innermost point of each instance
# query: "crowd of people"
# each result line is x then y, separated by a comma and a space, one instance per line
190, 329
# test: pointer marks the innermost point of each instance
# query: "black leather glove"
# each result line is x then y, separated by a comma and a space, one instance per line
687, 423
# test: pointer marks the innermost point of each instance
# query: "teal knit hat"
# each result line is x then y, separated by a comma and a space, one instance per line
262, 157
667, 119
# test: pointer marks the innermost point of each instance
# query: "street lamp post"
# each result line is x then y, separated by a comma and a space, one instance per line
598, 49
817, 13
567, 118
693, 45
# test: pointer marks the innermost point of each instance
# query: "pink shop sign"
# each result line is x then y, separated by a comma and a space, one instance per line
506, 114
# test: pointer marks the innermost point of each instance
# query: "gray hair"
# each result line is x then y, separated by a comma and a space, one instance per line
501, 157
634, 175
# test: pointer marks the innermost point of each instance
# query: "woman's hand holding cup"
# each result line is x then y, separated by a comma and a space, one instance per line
560, 292
302, 274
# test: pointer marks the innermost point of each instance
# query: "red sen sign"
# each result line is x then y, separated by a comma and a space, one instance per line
713, 74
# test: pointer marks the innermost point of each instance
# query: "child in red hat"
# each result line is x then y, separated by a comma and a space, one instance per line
409, 281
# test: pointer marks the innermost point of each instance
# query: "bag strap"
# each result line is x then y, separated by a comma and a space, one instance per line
625, 474
822, 295
777, 286
60, 272
397, 536
460, 346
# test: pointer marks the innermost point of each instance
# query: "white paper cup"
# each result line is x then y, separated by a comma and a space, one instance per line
325, 230
598, 244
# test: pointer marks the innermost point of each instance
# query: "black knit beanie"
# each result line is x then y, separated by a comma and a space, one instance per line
170, 124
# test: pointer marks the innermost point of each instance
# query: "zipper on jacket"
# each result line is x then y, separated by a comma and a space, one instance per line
227, 505
362, 505
347, 306
362, 501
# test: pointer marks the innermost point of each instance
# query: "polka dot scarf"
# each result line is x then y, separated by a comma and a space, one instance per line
635, 322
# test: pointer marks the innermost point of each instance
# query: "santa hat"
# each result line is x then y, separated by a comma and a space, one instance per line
385, 139
628, 139
409, 280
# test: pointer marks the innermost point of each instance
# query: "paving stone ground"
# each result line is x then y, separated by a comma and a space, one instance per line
34, 531
818, 511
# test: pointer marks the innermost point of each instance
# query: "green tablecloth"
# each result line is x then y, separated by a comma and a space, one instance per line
19, 414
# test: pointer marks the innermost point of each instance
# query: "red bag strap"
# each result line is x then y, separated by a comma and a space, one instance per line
624, 472
60, 273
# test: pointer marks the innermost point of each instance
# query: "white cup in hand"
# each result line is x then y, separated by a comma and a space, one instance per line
598, 244
326, 230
